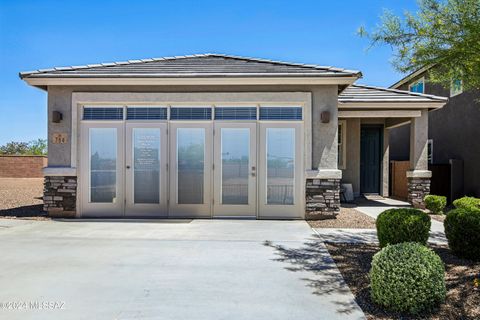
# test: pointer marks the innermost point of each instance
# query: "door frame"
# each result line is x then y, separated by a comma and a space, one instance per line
191, 210
87, 208
380, 129
274, 211
159, 210
235, 211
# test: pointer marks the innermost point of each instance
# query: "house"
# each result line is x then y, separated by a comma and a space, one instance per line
215, 135
451, 135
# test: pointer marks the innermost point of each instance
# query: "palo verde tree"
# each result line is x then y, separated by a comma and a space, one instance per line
443, 33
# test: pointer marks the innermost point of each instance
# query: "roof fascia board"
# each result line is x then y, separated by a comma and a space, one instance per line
379, 114
193, 81
392, 105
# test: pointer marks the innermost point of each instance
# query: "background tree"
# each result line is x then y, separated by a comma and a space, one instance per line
38, 147
35, 147
444, 34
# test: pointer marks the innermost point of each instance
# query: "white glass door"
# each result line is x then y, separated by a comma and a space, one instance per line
235, 170
102, 169
191, 167
146, 170
280, 171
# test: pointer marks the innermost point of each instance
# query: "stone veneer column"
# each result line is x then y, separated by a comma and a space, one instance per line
418, 187
60, 196
418, 177
323, 196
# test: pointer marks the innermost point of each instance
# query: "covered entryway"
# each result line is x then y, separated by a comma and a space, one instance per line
186, 161
370, 159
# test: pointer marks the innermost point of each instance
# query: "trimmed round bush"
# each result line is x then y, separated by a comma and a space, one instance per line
467, 203
462, 228
407, 277
436, 204
402, 225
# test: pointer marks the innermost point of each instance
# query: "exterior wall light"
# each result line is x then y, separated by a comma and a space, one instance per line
57, 116
325, 117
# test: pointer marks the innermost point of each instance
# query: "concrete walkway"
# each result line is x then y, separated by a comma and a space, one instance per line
373, 208
183, 269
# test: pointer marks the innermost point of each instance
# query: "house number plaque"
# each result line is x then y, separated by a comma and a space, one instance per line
59, 138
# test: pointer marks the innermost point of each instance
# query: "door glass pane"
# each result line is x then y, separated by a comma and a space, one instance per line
146, 165
235, 163
103, 164
190, 165
280, 165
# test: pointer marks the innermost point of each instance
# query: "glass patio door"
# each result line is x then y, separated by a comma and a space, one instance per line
102, 169
280, 171
235, 170
146, 170
191, 167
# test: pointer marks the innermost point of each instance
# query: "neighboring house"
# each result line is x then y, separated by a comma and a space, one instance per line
220, 136
452, 134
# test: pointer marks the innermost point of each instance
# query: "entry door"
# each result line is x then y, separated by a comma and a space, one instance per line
191, 167
370, 147
102, 169
146, 170
281, 181
235, 170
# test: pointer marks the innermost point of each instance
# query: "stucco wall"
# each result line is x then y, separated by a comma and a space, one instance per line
351, 173
324, 98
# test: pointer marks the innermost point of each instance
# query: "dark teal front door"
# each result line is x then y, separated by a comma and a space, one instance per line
370, 155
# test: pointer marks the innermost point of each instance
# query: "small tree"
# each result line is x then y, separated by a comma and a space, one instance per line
444, 34
38, 147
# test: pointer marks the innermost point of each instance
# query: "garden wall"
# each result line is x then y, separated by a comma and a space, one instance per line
22, 166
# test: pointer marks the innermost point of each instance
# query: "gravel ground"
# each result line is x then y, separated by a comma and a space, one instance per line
462, 302
347, 218
21, 197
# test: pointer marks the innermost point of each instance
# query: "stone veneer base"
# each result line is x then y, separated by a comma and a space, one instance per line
418, 188
60, 196
322, 198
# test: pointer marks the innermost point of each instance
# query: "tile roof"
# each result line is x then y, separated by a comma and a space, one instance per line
198, 65
362, 93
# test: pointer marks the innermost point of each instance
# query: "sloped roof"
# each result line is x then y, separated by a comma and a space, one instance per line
199, 65
357, 93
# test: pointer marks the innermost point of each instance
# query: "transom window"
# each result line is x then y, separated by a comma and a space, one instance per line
195, 112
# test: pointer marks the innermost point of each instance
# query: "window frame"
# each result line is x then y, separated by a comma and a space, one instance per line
456, 93
430, 151
422, 80
341, 143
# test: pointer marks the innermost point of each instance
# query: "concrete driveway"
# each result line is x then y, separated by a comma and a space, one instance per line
200, 269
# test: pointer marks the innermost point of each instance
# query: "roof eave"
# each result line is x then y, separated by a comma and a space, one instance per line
352, 104
225, 80
409, 77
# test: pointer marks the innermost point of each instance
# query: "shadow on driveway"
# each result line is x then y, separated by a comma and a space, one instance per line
325, 279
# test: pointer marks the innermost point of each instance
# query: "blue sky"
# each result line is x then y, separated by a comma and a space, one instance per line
42, 34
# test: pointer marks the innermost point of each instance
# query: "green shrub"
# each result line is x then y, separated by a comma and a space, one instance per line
436, 204
402, 225
407, 277
467, 203
462, 228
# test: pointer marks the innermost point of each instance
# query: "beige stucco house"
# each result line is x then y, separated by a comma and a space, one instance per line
221, 136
